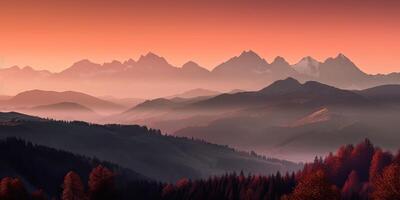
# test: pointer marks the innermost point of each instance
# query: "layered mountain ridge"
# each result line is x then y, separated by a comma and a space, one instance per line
247, 71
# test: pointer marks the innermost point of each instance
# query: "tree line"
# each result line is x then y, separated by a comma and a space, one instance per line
359, 172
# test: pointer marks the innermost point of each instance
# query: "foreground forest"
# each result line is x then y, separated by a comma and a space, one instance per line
358, 172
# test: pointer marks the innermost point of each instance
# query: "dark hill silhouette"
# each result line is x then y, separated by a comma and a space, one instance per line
389, 93
140, 149
15, 117
48, 166
311, 93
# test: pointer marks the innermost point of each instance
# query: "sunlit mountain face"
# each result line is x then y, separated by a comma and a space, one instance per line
195, 100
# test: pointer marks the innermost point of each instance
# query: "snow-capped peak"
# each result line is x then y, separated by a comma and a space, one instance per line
308, 66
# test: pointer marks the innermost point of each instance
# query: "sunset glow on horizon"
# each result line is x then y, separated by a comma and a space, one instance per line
54, 34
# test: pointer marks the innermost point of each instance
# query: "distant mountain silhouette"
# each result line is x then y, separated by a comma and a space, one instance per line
126, 102
16, 72
64, 106
83, 68
64, 111
286, 115
342, 72
248, 63
35, 98
156, 104
247, 71
193, 69
198, 92
140, 149
5, 97
280, 68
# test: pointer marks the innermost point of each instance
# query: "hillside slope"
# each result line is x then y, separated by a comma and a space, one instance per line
140, 149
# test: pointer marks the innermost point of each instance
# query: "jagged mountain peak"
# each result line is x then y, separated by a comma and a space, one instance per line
150, 56
249, 53
308, 66
152, 59
340, 58
246, 62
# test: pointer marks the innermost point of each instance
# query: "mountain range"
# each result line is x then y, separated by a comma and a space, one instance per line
286, 119
247, 71
33, 98
280, 120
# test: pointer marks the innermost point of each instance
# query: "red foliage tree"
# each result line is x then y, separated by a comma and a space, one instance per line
397, 157
339, 165
361, 159
379, 161
101, 184
387, 185
12, 189
73, 188
352, 186
38, 195
314, 186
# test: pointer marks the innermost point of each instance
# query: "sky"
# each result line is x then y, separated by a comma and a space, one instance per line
53, 34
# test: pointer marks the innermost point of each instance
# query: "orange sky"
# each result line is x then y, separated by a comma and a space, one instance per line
52, 34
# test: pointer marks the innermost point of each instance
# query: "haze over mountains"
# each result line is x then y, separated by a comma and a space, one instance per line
332, 102
286, 119
281, 120
248, 71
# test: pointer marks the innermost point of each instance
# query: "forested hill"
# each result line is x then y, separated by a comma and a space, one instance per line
40, 167
143, 150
